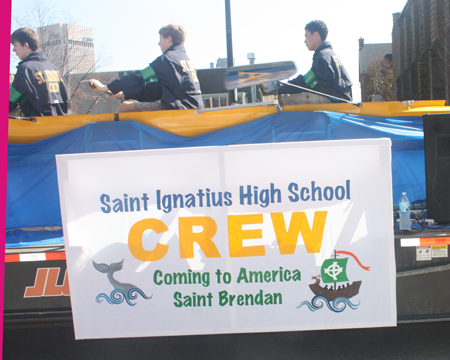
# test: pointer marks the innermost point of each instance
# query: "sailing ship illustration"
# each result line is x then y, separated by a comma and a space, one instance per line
334, 271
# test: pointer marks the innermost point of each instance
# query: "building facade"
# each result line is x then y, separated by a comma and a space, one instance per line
371, 57
69, 47
421, 51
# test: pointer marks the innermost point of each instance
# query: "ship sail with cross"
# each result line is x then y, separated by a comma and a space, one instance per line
334, 272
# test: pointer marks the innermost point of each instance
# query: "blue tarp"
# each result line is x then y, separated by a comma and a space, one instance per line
32, 189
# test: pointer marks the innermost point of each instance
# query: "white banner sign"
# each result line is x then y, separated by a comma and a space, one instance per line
232, 239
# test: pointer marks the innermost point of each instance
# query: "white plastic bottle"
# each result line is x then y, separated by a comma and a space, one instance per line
404, 205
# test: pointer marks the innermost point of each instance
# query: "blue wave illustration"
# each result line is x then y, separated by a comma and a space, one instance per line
337, 305
118, 296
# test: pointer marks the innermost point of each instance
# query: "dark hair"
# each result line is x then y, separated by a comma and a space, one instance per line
319, 26
175, 31
26, 35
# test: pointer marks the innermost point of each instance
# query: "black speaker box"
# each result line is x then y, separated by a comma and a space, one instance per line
436, 134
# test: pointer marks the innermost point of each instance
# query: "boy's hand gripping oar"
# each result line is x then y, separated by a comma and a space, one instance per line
97, 86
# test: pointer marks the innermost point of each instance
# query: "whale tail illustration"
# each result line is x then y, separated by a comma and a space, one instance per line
109, 270
105, 268
122, 291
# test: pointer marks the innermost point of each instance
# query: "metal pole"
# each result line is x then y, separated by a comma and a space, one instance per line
231, 97
251, 58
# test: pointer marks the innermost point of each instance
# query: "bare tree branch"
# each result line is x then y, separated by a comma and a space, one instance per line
379, 79
70, 49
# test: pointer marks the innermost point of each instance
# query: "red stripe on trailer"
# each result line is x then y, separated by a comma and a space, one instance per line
12, 258
435, 241
56, 256
35, 257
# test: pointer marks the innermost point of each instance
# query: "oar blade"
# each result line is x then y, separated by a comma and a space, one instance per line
249, 75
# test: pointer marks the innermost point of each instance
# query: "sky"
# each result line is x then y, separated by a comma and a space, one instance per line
126, 34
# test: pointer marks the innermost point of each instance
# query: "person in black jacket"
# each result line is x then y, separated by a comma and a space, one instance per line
38, 88
169, 83
327, 74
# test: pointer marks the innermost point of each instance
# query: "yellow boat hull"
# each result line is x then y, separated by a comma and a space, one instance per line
192, 123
